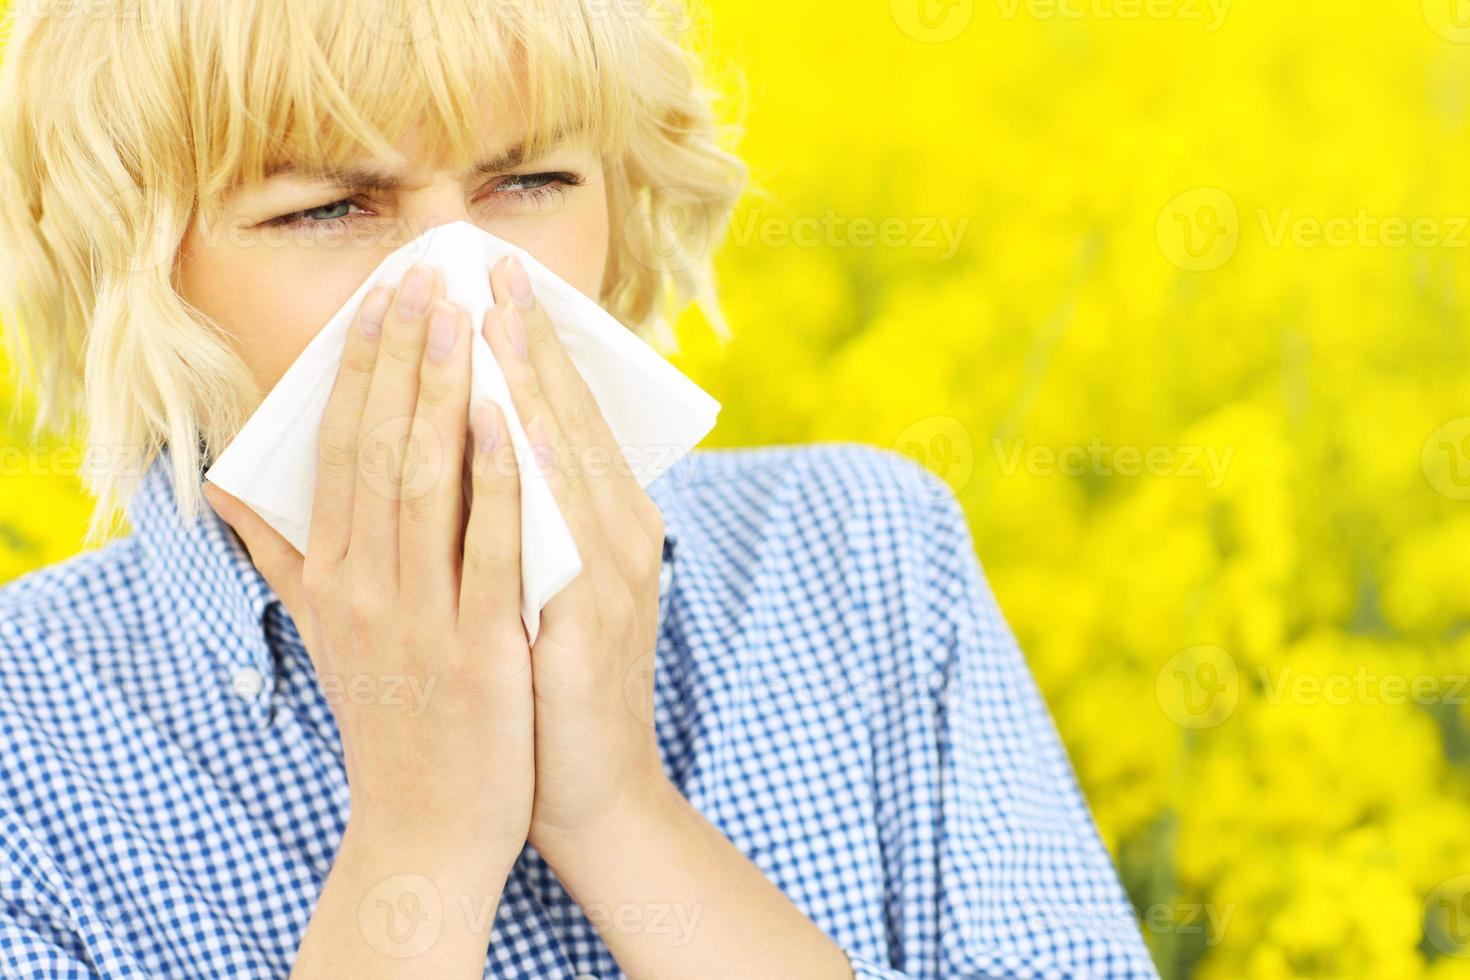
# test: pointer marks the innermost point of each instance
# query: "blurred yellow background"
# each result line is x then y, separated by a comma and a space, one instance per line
1173, 294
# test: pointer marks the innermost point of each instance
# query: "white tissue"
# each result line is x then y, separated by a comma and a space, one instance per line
655, 412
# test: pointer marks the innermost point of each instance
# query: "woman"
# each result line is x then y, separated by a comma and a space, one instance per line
777, 728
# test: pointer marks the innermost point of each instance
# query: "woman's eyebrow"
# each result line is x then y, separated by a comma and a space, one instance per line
377, 179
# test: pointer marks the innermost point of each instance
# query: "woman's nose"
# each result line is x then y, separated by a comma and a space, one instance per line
438, 203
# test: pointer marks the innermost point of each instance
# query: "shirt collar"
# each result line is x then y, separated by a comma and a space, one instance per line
207, 578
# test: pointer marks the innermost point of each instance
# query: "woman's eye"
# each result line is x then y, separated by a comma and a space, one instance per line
517, 182
536, 188
323, 215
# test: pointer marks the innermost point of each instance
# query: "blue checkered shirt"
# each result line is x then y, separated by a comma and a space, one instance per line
835, 689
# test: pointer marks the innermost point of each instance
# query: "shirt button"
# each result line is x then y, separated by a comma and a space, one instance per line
247, 683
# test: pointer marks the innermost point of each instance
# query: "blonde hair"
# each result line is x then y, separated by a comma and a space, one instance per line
123, 120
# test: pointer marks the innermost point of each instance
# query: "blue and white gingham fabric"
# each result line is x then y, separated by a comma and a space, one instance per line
835, 689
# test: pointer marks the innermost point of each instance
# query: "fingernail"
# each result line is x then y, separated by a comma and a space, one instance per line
442, 333
520, 283
413, 298
374, 310
515, 330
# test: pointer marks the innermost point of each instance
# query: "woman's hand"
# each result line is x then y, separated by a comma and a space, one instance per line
395, 587
617, 833
592, 661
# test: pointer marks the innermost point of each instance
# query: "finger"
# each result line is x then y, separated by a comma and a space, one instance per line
490, 580
429, 518
600, 578
610, 480
279, 563
386, 420
336, 467
559, 462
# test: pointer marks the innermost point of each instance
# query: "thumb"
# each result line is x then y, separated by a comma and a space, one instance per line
278, 561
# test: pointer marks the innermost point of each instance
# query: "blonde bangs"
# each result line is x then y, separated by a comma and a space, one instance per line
323, 84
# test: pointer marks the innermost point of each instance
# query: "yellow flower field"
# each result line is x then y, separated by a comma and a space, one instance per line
1174, 294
